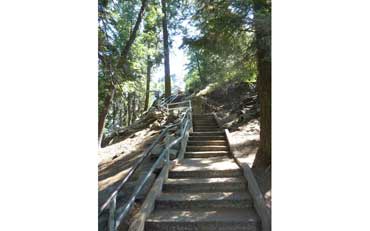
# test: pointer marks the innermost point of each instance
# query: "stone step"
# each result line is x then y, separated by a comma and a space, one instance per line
205, 154
203, 219
202, 126
204, 200
206, 173
203, 116
191, 138
207, 130
205, 126
206, 142
206, 167
196, 185
207, 148
204, 119
206, 122
200, 130
195, 126
213, 133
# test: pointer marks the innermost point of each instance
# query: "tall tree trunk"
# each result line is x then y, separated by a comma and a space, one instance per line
148, 70
103, 115
133, 108
129, 109
114, 114
201, 77
121, 64
125, 114
167, 76
263, 35
120, 119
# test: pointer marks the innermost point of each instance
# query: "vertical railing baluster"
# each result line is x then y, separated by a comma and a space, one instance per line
112, 215
168, 156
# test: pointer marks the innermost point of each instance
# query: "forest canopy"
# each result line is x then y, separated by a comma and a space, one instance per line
224, 41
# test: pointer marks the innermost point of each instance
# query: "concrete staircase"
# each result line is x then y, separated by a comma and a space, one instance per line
207, 190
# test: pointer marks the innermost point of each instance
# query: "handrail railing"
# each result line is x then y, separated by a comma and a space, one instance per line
137, 163
182, 102
117, 215
134, 168
173, 106
114, 222
168, 100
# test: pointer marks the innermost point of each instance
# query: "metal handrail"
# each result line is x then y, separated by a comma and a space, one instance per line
115, 220
137, 165
164, 154
172, 106
168, 100
182, 102
134, 168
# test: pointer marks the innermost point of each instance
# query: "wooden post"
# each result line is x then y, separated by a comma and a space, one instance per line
183, 143
112, 215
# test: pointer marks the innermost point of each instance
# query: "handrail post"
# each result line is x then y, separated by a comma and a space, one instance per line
112, 215
191, 116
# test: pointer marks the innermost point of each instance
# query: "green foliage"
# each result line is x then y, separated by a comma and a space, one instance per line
192, 80
219, 39
116, 20
224, 48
